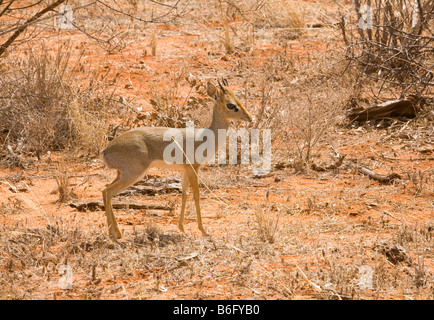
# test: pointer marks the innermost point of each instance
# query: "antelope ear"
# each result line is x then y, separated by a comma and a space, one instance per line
212, 90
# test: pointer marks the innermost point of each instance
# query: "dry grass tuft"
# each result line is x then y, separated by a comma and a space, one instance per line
63, 181
286, 14
267, 223
50, 111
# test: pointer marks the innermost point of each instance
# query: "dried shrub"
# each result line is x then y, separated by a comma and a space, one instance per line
302, 104
282, 14
391, 41
42, 107
90, 119
34, 98
312, 113
285, 14
172, 107
267, 88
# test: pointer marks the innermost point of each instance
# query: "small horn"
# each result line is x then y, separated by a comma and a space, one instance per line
221, 86
225, 82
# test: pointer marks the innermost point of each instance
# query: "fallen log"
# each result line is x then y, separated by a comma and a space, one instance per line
408, 107
151, 191
385, 179
93, 205
153, 187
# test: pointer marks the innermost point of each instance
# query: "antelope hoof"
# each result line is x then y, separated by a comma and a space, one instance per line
181, 228
204, 233
115, 234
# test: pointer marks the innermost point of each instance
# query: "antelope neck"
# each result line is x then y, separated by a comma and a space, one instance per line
218, 122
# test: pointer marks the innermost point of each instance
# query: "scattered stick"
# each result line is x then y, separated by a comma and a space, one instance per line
407, 159
391, 215
385, 179
317, 287
150, 190
235, 248
93, 205
31, 176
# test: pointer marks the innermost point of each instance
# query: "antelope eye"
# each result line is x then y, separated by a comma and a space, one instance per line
232, 106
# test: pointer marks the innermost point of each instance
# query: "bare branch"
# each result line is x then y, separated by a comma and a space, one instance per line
21, 28
140, 19
6, 8
395, 50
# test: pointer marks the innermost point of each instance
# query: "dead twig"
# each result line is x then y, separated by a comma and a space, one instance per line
23, 27
391, 215
407, 159
384, 179
317, 287
93, 205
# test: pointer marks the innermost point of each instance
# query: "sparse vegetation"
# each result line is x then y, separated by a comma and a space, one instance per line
392, 42
43, 109
64, 188
267, 220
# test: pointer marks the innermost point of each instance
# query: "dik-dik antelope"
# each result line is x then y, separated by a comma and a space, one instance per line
133, 152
